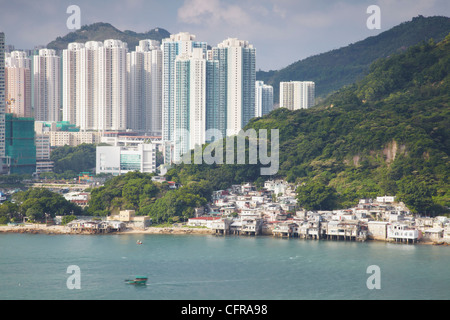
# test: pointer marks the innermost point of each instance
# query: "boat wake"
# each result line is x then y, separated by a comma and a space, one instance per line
201, 282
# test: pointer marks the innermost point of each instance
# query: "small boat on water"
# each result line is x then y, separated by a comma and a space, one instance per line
139, 242
140, 280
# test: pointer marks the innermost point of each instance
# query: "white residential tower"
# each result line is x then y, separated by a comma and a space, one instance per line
296, 95
46, 83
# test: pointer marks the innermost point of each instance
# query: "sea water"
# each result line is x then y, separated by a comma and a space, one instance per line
197, 267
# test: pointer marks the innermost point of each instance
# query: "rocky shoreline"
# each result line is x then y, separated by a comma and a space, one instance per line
166, 230
44, 229
58, 230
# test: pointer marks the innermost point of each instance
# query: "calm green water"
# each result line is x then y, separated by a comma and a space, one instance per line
217, 268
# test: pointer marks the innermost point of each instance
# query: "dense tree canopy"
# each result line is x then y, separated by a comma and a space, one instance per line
137, 191
316, 196
36, 204
74, 160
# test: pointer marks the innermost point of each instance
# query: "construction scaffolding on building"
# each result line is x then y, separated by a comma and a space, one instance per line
20, 146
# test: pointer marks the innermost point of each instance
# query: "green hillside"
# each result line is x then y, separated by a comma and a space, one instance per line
334, 69
387, 134
102, 31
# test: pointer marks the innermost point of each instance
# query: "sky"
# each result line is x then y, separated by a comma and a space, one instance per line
282, 31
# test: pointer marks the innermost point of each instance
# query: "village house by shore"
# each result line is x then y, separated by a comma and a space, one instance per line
271, 211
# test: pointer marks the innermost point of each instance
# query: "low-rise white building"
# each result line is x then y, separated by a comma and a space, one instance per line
202, 222
118, 160
221, 226
276, 186
285, 229
386, 199
129, 218
402, 232
277, 215
378, 230
446, 234
434, 234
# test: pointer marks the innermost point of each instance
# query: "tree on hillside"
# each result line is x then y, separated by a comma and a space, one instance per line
36, 202
76, 159
417, 195
9, 212
316, 196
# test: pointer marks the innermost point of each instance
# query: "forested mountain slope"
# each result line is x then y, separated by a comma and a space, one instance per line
387, 134
334, 69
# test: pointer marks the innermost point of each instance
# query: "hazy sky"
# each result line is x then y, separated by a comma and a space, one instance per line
282, 31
